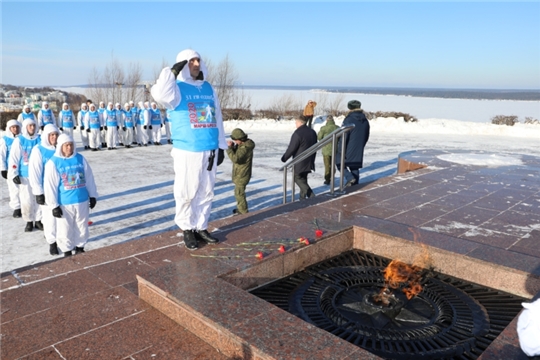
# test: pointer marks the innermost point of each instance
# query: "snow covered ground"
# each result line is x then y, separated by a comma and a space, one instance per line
135, 185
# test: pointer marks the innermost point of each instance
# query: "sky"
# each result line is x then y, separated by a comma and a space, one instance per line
468, 45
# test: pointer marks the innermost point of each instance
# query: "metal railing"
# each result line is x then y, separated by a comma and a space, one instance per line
332, 137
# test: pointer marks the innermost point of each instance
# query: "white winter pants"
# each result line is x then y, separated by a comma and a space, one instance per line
193, 188
49, 223
142, 135
29, 207
94, 138
156, 133
149, 133
68, 131
103, 135
72, 227
128, 136
14, 200
168, 130
84, 137
121, 136
112, 136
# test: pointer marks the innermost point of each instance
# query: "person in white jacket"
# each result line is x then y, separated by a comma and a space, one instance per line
26, 114
110, 120
156, 123
81, 124
93, 122
148, 114
41, 153
13, 129
120, 119
45, 116
135, 117
103, 136
142, 127
66, 120
71, 192
19, 157
198, 142
128, 124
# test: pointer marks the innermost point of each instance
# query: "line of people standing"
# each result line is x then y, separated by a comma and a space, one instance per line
50, 186
106, 126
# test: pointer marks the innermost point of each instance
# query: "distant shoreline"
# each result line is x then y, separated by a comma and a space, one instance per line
469, 94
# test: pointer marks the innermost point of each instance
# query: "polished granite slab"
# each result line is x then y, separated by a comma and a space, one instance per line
486, 216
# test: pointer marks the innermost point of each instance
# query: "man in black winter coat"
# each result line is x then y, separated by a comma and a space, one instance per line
356, 140
302, 139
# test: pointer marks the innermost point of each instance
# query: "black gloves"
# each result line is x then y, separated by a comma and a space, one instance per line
220, 156
57, 212
92, 202
82, 127
161, 125
123, 128
118, 128
61, 129
42, 127
178, 67
144, 127
40, 199
88, 130
4, 174
101, 128
150, 127
17, 180
106, 128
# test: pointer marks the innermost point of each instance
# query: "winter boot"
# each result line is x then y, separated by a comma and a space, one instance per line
38, 225
189, 240
17, 213
205, 236
29, 226
67, 253
53, 249
79, 250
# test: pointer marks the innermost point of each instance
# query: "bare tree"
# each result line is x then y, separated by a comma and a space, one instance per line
114, 84
286, 104
335, 105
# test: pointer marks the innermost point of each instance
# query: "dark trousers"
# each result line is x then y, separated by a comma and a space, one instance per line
327, 168
350, 173
309, 119
301, 181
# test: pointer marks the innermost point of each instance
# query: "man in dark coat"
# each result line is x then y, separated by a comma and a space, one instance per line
302, 139
355, 141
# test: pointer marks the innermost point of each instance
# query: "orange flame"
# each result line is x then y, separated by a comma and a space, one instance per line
399, 275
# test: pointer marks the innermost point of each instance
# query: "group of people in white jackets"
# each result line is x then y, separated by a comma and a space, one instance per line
106, 126
50, 185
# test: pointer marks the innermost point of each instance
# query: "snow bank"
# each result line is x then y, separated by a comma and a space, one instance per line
491, 160
393, 125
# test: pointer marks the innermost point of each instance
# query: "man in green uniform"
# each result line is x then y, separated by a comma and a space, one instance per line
327, 149
240, 152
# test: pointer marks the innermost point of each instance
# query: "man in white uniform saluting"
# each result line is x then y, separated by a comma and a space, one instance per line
198, 142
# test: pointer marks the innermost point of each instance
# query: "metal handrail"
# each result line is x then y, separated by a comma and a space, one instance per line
333, 137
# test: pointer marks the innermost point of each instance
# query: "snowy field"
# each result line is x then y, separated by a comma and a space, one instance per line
135, 185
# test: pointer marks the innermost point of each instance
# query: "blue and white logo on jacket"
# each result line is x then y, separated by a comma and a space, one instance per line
193, 121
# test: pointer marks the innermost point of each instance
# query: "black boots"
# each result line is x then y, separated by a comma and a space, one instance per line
53, 249
79, 250
205, 236
17, 213
38, 225
189, 240
29, 226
